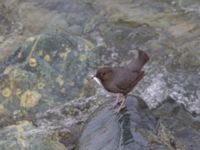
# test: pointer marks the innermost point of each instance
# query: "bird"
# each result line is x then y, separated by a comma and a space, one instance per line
122, 79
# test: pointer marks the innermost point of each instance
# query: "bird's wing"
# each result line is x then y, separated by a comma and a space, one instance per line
138, 63
126, 79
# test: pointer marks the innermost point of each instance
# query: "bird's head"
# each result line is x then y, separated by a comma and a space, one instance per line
103, 74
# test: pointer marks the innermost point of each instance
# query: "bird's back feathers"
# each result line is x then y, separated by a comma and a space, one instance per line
137, 64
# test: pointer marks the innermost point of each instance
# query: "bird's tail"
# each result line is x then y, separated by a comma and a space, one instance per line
137, 64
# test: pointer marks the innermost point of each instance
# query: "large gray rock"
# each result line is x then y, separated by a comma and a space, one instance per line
50, 70
168, 127
56, 128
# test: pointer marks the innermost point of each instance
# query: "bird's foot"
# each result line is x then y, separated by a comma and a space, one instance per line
121, 107
122, 103
118, 101
116, 104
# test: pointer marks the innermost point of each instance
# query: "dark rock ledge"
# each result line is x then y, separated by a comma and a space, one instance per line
168, 127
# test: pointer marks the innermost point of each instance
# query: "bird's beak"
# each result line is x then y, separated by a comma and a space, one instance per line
96, 79
92, 76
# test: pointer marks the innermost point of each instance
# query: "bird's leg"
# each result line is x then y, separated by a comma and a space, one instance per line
122, 104
118, 100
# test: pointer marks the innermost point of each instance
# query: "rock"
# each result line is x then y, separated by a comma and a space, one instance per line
168, 31
57, 128
25, 136
169, 126
46, 80
47, 71
1, 39
10, 29
167, 35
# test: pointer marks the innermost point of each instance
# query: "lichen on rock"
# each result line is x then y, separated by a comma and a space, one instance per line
30, 99
33, 62
2, 109
47, 58
6, 92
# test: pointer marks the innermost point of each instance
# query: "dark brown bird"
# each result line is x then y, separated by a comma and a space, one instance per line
122, 80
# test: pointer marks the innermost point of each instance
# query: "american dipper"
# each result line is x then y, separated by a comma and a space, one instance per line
122, 80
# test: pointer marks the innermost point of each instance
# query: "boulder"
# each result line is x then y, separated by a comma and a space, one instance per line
168, 127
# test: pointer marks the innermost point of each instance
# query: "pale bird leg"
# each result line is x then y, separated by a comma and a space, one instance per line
118, 100
122, 104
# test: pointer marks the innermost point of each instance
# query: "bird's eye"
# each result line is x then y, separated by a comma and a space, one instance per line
103, 74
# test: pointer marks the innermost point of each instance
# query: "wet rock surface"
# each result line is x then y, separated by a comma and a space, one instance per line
168, 127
